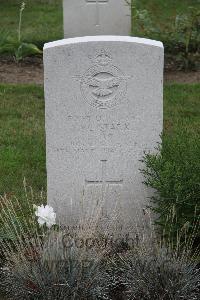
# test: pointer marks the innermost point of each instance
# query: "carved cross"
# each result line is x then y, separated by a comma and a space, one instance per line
97, 2
103, 181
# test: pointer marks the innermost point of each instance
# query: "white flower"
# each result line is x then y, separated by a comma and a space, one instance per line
46, 215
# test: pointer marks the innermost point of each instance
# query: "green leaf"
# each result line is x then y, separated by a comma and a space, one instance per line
26, 49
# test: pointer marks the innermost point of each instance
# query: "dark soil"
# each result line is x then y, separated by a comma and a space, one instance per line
31, 71
28, 71
183, 77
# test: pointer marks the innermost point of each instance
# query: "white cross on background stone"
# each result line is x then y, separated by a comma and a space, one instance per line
103, 182
97, 2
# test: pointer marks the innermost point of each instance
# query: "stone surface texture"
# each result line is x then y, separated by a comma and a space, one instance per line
96, 17
104, 108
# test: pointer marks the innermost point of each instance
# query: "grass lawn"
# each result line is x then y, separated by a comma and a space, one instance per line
43, 21
22, 140
22, 136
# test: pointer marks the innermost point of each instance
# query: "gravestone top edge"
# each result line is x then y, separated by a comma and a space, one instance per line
103, 38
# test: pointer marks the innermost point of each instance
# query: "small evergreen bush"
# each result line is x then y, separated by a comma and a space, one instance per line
174, 174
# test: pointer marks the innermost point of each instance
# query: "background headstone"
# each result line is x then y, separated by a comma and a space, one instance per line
96, 17
104, 108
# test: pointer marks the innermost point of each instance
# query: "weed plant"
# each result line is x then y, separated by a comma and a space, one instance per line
15, 46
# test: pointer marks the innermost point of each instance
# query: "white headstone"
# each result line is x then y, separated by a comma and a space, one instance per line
96, 17
104, 108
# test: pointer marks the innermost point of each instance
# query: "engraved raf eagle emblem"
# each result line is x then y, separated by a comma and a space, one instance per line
103, 85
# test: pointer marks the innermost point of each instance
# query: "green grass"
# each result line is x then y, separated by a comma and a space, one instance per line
22, 142
182, 108
22, 136
43, 21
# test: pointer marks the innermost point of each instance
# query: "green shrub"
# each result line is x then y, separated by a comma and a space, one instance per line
181, 38
174, 173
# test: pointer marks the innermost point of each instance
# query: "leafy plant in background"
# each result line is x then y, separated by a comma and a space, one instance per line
24, 49
16, 46
141, 22
187, 32
174, 173
181, 39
